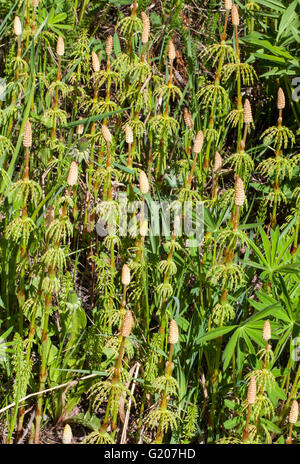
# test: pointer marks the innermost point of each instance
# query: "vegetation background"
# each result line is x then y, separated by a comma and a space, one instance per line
143, 339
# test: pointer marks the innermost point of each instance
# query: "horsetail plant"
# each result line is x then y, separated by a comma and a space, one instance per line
163, 417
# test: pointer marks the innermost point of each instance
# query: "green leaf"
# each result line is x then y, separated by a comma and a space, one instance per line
270, 426
287, 18
230, 347
230, 423
215, 333
117, 46
231, 404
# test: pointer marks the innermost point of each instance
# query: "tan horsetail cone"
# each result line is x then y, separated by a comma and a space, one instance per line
67, 435
127, 324
267, 331
171, 51
17, 26
80, 129
73, 174
218, 162
144, 228
235, 15
173, 332
280, 99
144, 183
106, 133
49, 217
294, 412
60, 46
247, 112
125, 279
35, 3
146, 28
198, 144
128, 134
251, 394
228, 5
27, 135
109, 45
95, 62
239, 195
168, 366
188, 119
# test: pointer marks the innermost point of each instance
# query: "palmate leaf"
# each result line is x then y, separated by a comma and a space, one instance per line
277, 256
55, 22
250, 331
215, 333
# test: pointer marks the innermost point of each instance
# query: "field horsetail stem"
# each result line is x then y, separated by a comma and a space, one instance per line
173, 339
251, 397
293, 418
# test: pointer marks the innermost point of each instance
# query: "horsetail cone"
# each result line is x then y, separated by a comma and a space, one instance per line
125, 279
144, 228
218, 162
280, 99
239, 196
49, 218
247, 112
127, 324
67, 435
294, 412
198, 144
35, 3
128, 134
251, 394
171, 51
109, 45
144, 183
95, 62
188, 119
169, 366
17, 26
27, 135
235, 15
106, 133
267, 331
60, 46
73, 174
80, 129
228, 5
146, 28
173, 332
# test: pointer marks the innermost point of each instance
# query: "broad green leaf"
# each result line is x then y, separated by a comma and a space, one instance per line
287, 18
215, 333
230, 423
